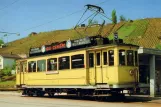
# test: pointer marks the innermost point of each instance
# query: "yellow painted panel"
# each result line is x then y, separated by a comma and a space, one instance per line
124, 75
112, 74
99, 75
17, 79
105, 74
64, 77
20, 79
92, 76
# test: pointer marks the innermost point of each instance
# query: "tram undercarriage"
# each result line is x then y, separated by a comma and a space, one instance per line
96, 93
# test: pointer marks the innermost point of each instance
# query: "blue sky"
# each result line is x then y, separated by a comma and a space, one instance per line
26, 16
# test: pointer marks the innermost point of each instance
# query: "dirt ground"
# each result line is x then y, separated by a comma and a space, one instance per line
14, 99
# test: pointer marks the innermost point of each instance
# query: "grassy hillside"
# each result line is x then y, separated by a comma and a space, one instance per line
144, 32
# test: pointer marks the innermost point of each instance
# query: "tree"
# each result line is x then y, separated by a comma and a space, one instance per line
1, 41
114, 17
91, 22
158, 46
122, 18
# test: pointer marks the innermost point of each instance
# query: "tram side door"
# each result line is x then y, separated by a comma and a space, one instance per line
91, 66
23, 65
95, 67
98, 67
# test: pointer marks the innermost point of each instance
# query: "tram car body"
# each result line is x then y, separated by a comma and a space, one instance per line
79, 67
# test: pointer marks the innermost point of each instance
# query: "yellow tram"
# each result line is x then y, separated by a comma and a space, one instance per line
86, 66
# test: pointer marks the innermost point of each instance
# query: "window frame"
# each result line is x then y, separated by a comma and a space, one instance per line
28, 66
120, 64
136, 58
77, 58
69, 64
103, 60
128, 63
44, 66
93, 63
109, 57
98, 64
53, 58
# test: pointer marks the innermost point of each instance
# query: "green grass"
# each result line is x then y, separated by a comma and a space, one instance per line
137, 32
125, 30
7, 84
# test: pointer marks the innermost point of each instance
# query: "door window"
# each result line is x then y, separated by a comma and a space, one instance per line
104, 58
91, 60
98, 59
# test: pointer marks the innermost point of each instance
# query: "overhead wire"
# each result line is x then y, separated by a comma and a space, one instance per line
9, 5
54, 20
12, 9
80, 18
60, 17
84, 21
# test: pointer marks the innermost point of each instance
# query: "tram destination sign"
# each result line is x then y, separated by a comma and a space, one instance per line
35, 50
55, 46
61, 45
79, 42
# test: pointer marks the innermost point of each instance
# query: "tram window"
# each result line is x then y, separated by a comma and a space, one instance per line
136, 58
111, 57
98, 59
121, 57
77, 61
104, 58
130, 58
52, 64
41, 65
32, 66
91, 60
64, 63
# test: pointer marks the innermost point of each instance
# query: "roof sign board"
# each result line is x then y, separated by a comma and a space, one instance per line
59, 46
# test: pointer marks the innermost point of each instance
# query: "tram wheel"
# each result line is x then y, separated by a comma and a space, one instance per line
40, 94
30, 94
97, 98
51, 94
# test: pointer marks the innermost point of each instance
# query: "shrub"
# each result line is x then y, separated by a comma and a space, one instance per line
6, 71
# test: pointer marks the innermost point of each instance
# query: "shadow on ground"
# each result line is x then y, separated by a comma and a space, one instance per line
126, 99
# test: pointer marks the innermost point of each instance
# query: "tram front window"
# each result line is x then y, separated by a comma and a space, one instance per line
130, 58
121, 57
111, 57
